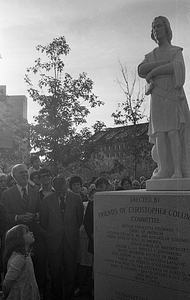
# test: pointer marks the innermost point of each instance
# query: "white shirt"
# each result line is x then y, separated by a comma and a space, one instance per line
20, 188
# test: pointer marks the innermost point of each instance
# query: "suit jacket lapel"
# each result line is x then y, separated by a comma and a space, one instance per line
16, 195
68, 204
56, 205
31, 197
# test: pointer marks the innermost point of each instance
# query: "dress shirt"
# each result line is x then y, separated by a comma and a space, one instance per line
46, 193
20, 188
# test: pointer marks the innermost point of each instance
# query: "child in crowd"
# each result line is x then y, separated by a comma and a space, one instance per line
19, 282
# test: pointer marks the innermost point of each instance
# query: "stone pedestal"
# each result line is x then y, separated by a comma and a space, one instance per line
168, 184
142, 245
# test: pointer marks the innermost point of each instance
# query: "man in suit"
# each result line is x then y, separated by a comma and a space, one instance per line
22, 206
61, 216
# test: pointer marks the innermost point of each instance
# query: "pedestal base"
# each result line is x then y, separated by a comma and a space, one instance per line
142, 245
168, 184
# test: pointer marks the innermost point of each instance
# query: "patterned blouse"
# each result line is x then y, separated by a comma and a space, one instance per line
20, 269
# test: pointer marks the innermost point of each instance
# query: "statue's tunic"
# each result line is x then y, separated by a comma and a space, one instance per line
168, 105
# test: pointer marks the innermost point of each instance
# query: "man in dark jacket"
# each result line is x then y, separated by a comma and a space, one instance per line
61, 217
22, 206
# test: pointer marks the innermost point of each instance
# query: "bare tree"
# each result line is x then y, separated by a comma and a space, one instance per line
132, 112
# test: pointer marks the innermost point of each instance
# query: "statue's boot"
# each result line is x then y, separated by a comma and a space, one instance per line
177, 174
160, 175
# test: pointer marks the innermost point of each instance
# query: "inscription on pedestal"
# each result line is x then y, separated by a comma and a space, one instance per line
143, 240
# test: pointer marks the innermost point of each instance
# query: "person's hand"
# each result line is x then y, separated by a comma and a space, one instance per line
27, 217
149, 77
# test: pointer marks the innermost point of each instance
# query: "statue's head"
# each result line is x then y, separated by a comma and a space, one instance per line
167, 28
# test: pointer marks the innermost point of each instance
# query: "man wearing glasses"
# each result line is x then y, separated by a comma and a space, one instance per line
22, 206
45, 177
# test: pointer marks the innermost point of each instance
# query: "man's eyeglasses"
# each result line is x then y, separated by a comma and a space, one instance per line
2, 180
76, 184
45, 176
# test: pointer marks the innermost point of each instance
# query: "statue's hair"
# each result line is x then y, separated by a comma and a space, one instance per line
167, 27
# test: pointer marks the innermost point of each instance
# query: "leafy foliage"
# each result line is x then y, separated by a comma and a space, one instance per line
62, 100
98, 126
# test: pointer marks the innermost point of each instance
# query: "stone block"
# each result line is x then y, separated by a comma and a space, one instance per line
142, 245
168, 184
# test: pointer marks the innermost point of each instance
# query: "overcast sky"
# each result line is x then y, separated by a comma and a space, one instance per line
99, 32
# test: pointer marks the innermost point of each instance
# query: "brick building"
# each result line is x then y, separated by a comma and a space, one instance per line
18, 103
127, 144
17, 109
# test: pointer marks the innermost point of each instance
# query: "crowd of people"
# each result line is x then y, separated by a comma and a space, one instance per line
46, 230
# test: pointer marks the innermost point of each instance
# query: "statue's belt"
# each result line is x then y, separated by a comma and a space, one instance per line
171, 96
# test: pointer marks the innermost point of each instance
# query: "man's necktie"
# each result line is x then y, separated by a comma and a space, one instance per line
62, 206
25, 197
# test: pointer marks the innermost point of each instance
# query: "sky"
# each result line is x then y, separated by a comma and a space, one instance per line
99, 32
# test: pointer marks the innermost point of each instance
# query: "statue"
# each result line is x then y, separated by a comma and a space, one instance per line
169, 126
